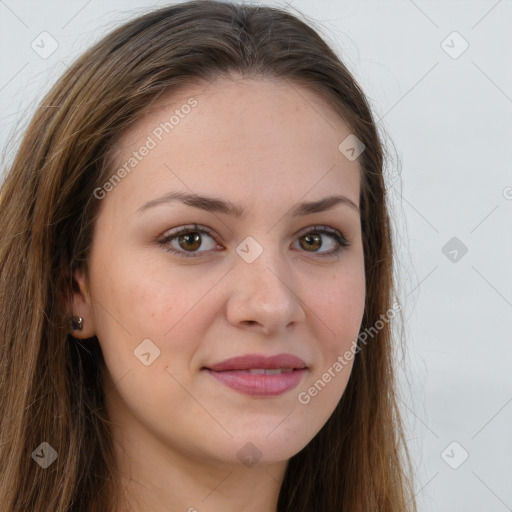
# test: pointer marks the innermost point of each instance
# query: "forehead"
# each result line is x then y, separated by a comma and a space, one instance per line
250, 134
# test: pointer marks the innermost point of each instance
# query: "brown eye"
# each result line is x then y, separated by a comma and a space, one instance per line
312, 241
190, 241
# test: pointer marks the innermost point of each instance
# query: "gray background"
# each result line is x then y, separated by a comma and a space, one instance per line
446, 117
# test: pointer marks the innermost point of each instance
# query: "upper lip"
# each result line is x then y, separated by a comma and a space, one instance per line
251, 361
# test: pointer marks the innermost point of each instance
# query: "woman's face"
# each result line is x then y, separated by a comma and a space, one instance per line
263, 281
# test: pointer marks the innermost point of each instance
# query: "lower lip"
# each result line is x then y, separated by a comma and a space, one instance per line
257, 384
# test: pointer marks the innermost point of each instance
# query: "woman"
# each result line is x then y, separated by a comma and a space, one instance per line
197, 279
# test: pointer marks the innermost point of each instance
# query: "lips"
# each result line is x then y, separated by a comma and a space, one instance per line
257, 361
258, 375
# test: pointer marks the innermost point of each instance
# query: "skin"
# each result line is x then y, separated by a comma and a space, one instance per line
267, 145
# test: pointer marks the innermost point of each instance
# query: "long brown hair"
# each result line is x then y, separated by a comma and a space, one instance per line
50, 385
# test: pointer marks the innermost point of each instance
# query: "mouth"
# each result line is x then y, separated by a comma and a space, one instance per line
258, 375
265, 371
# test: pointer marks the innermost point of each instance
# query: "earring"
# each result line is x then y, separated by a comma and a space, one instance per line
77, 323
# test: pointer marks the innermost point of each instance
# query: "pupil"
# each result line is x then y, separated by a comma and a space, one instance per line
311, 239
190, 239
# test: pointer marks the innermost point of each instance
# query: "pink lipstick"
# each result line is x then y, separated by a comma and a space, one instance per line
259, 375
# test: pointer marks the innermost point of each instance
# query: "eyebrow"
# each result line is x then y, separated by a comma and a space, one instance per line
214, 205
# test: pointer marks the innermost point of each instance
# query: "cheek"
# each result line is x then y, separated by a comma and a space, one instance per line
340, 308
338, 313
138, 299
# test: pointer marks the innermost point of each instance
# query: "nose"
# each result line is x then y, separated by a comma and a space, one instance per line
265, 295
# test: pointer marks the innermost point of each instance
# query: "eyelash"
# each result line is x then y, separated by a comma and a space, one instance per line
340, 240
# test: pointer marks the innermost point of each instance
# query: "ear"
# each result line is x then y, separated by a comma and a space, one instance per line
80, 304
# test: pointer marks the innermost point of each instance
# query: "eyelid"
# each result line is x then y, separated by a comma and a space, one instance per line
335, 234
186, 228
